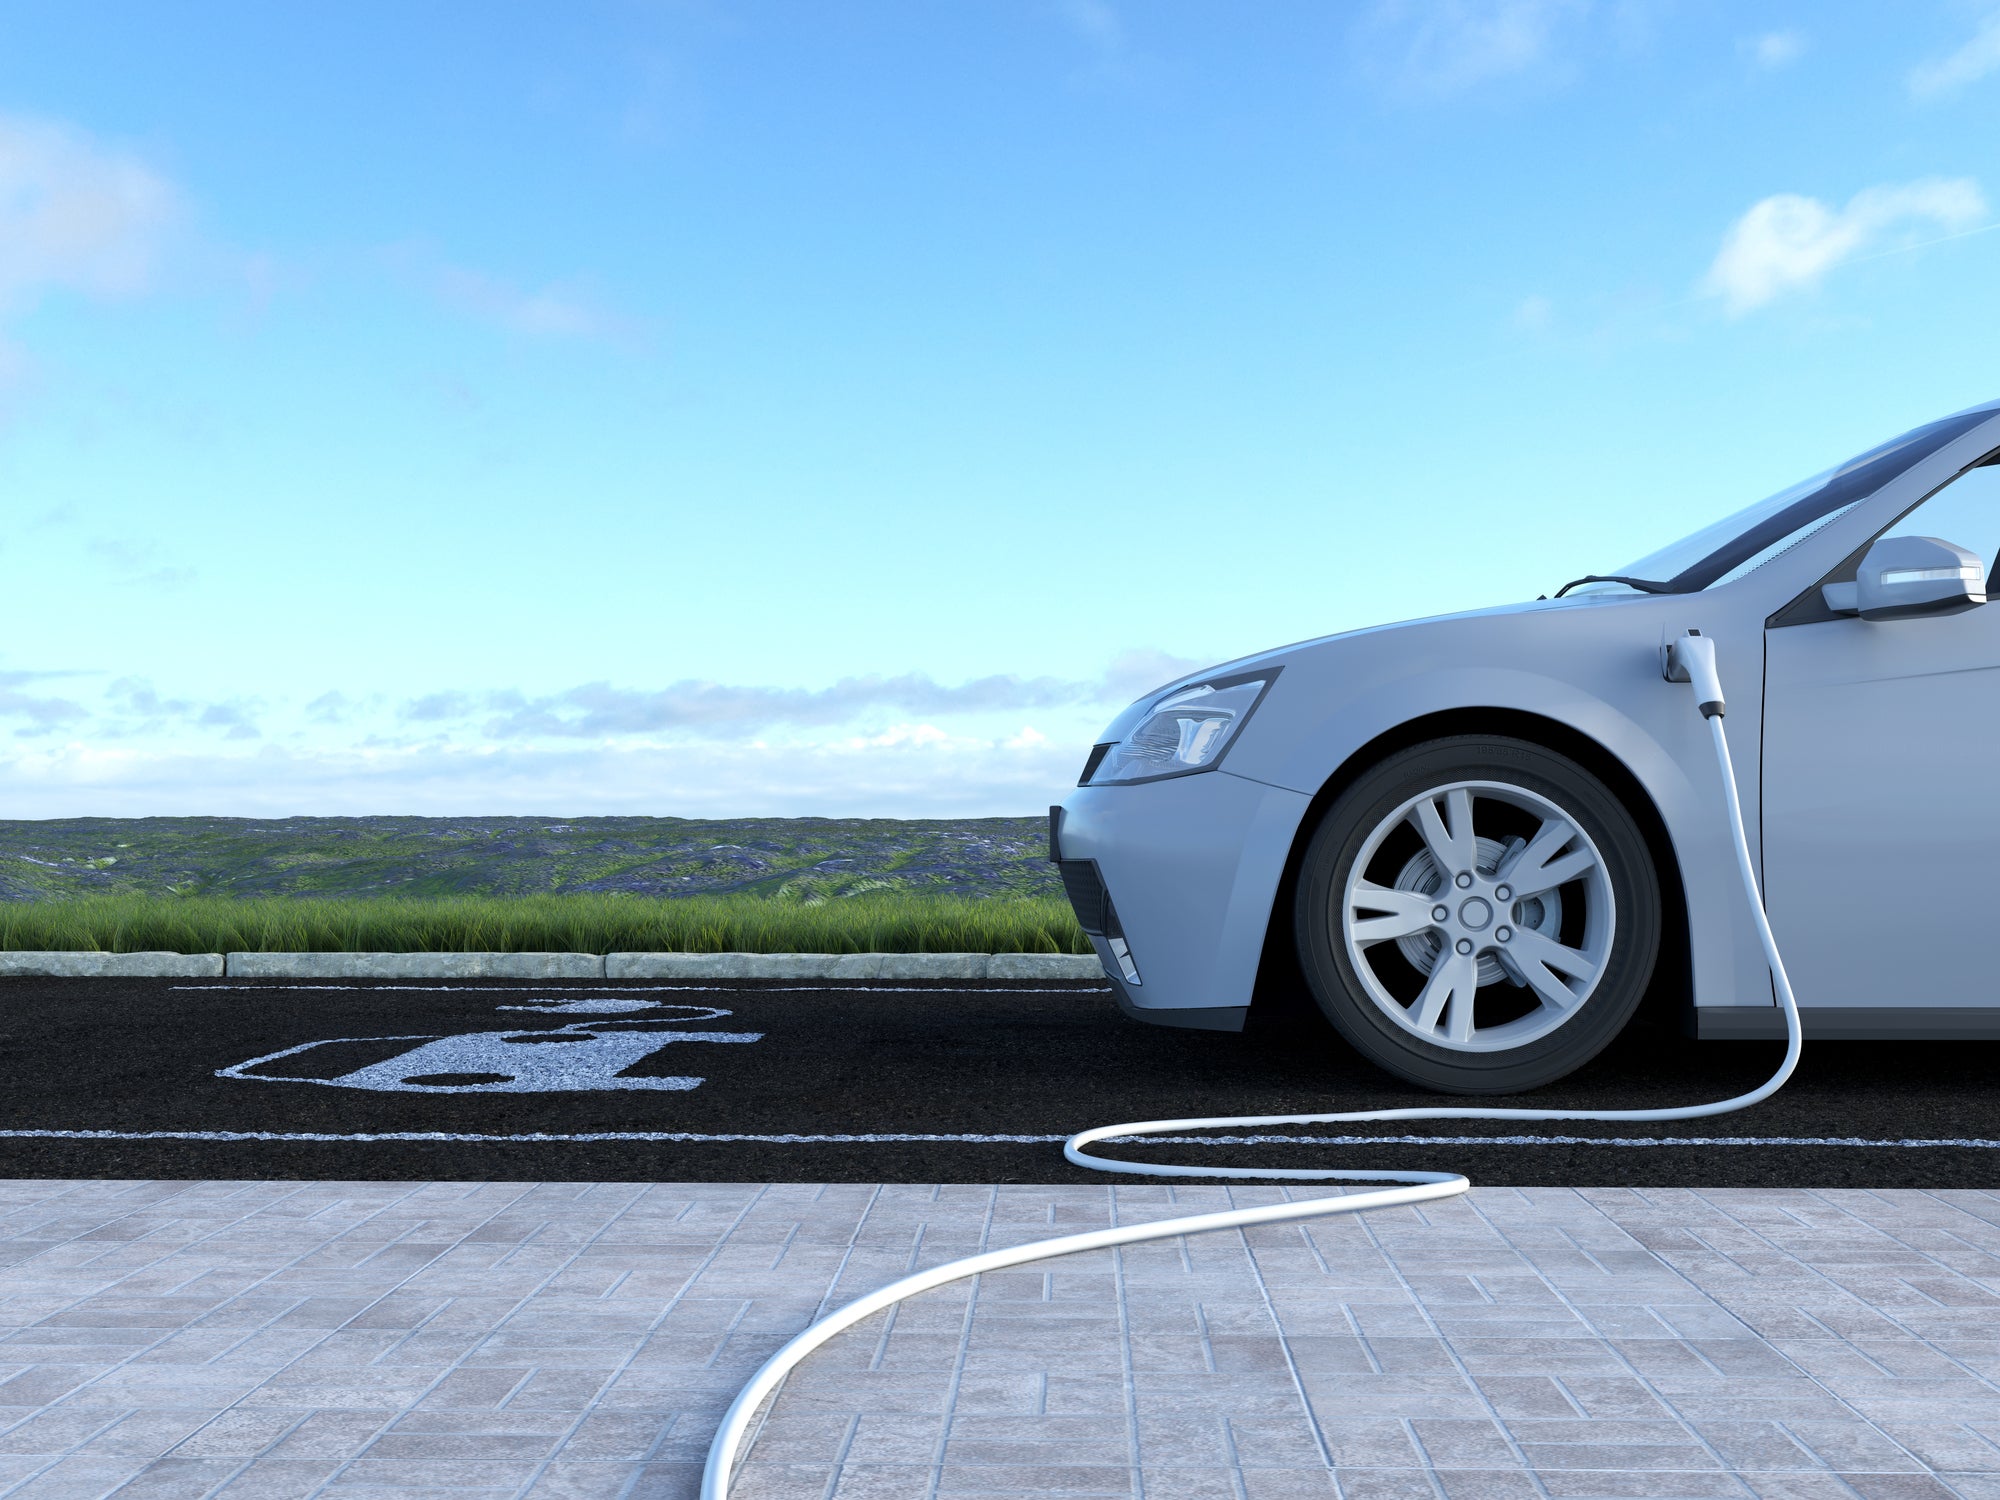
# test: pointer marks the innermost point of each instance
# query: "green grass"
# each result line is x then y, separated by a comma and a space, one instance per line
889, 921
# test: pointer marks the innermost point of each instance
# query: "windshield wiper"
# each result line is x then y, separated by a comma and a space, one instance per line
1643, 585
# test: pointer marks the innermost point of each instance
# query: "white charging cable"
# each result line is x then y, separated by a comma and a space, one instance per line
1690, 659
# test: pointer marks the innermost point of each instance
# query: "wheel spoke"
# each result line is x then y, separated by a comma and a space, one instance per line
1542, 962
1452, 847
1458, 1020
1401, 913
1542, 866
1448, 996
1429, 881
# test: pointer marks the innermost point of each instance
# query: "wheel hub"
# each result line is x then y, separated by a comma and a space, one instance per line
1475, 913
1467, 884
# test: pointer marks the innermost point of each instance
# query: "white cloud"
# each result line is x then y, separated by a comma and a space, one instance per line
1112, 61
140, 563
330, 708
880, 746
1979, 56
555, 310
1535, 314
137, 708
36, 713
1095, 22
1134, 673
1788, 241
599, 710
558, 310
908, 775
897, 736
75, 215
1774, 49
1442, 47
595, 710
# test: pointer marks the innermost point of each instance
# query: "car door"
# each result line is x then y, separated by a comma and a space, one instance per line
1881, 804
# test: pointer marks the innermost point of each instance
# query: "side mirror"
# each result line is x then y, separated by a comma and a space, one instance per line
1910, 575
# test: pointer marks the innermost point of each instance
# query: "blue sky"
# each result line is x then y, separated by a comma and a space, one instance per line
710, 409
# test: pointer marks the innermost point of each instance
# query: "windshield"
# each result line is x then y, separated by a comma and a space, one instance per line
1726, 550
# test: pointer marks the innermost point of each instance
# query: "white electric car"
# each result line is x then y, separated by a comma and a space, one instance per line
1479, 836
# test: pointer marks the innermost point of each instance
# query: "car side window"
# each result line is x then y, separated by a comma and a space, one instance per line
1965, 512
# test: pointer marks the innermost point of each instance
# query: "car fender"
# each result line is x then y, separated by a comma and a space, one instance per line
1334, 705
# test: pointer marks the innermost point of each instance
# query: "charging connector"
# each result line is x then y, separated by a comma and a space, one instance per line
1689, 658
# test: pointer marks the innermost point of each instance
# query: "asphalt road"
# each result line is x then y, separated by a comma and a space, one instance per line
762, 1081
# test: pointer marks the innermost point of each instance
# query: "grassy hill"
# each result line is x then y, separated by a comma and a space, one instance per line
787, 858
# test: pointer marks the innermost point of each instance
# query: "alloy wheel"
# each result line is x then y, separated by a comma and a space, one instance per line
1478, 916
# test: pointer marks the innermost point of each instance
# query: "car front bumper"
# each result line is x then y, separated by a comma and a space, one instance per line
1175, 880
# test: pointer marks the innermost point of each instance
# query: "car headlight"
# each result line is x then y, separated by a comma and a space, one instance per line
1185, 731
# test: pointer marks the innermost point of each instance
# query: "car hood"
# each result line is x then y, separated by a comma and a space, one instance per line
1348, 640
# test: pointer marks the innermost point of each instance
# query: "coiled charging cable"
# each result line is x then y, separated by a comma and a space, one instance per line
1690, 659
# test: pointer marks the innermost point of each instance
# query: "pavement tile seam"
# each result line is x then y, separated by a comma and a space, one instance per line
1913, 1464
666, 1311
1631, 1369
1800, 1345
1134, 1452
104, 1375
1464, 1374
381, 1209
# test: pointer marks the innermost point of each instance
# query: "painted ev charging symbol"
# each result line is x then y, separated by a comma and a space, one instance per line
583, 1056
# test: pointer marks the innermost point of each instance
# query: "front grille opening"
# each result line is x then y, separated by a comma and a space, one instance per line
1093, 761
1088, 897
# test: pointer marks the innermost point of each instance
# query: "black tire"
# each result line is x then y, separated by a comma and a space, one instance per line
1367, 806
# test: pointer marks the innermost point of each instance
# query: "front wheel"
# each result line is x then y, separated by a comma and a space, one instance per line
1478, 915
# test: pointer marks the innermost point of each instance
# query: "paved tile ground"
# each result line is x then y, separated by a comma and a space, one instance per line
169, 1339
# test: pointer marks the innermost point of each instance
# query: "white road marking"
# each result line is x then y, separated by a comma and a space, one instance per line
531, 1138
581, 1056
608, 1005
900, 1138
648, 989
584, 1056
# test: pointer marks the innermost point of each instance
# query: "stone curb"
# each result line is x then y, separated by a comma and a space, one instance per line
79, 965
415, 966
572, 966
852, 966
